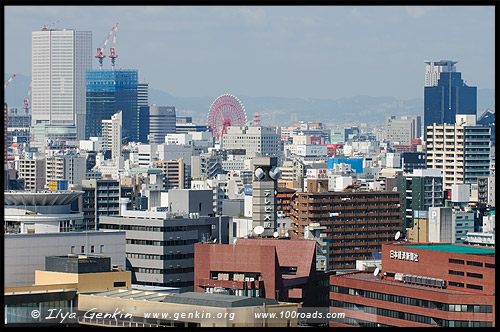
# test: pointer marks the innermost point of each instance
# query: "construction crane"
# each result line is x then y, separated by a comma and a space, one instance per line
27, 99
9, 80
100, 51
112, 53
46, 27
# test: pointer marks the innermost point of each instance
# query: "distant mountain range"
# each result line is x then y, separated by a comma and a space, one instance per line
279, 110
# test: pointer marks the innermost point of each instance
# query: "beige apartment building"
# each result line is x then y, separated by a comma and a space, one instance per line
460, 150
33, 173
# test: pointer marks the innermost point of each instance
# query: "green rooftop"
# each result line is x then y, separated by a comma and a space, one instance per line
459, 249
147, 170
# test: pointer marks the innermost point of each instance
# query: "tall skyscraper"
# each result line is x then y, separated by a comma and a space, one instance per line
434, 69
59, 59
110, 91
143, 111
142, 94
161, 123
449, 97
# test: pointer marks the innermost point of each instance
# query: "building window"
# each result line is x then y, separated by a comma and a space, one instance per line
491, 266
72, 250
82, 249
102, 249
456, 261
92, 249
472, 263
458, 273
471, 286
119, 284
456, 284
475, 275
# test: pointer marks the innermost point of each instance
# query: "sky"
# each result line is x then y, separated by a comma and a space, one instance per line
329, 52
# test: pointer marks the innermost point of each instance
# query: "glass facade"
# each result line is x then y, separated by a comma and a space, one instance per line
477, 153
450, 97
23, 312
409, 316
409, 300
109, 91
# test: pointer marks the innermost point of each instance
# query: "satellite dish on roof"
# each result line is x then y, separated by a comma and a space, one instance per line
376, 272
215, 240
275, 234
275, 173
234, 241
258, 230
259, 173
397, 236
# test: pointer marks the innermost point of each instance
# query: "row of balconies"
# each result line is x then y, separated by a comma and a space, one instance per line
362, 229
360, 214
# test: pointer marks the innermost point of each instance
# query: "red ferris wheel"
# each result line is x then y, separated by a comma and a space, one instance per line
226, 110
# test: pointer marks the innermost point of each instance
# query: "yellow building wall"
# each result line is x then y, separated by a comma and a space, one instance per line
286, 184
86, 281
420, 230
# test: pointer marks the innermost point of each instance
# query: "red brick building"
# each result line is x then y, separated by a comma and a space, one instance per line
420, 285
282, 269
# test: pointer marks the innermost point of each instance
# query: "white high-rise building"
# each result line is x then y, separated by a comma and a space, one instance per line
59, 60
403, 130
255, 140
435, 68
112, 135
142, 95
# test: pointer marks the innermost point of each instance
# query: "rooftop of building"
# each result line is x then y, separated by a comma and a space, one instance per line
218, 300
295, 252
40, 198
189, 298
452, 248
284, 190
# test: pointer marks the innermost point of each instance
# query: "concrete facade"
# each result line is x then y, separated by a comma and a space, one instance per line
25, 253
160, 245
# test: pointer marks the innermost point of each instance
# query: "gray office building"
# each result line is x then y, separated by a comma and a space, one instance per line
191, 201
161, 123
160, 244
25, 253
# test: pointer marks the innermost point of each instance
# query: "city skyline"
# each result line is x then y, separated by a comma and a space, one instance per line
274, 51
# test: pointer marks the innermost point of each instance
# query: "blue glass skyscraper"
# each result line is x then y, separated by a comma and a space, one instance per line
110, 91
451, 96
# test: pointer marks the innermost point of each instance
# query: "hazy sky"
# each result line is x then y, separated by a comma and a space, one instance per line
286, 51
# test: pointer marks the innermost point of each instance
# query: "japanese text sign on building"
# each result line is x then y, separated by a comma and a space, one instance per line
404, 255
